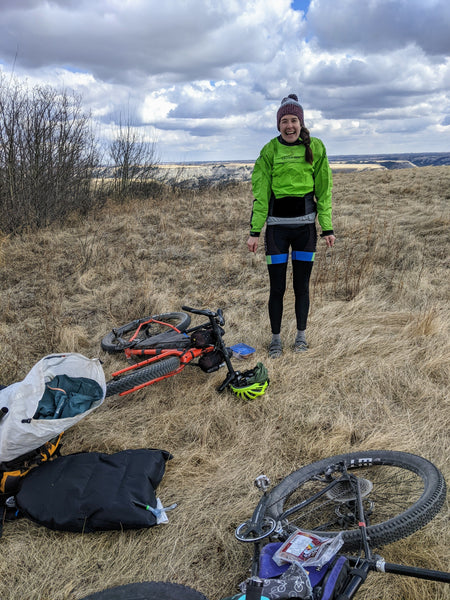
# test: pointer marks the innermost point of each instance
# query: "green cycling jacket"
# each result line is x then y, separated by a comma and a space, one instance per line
281, 171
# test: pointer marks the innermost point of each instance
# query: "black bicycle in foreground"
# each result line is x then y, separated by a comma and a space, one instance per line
368, 499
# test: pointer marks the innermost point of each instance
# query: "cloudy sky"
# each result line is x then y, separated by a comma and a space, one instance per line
204, 78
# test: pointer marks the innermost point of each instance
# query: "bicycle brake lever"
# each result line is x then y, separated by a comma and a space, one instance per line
221, 318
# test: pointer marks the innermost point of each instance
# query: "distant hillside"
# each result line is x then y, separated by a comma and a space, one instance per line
200, 174
394, 161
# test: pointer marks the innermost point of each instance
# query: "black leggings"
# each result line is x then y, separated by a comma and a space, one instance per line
279, 240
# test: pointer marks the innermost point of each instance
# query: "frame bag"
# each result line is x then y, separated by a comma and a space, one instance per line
93, 491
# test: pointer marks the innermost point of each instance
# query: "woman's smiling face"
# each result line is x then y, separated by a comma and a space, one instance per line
290, 128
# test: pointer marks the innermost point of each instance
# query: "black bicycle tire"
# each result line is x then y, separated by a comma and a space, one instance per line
111, 346
148, 590
407, 522
141, 375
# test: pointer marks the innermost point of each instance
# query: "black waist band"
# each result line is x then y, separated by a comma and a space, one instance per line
292, 206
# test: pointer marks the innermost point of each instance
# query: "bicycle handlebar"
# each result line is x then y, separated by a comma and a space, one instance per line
198, 311
206, 313
228, 379
383, 567
361, 567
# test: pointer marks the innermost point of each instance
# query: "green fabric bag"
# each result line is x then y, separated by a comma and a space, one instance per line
66, 397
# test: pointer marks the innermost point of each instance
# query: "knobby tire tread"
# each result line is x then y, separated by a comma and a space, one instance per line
141, 375
407, 522
148, 590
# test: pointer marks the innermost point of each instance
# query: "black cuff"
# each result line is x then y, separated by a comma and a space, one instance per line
255, 233
328, 232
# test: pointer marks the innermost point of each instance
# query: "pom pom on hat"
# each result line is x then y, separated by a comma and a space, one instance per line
290, 106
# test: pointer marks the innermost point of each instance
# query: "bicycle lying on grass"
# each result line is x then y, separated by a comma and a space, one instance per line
163, 346
368, 499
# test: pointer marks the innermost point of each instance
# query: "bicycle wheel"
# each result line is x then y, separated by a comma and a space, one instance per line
119, 338
401, 493
142, 375
148, 590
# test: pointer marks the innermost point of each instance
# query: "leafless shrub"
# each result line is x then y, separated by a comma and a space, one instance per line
134, 163
47, 155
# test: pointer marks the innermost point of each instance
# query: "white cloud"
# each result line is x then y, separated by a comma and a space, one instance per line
382, 25
156, 107
208, 75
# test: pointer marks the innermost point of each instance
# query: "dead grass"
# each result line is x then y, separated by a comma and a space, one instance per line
376, 375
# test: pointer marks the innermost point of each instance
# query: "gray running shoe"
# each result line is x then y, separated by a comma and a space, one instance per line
300, 346
275, 349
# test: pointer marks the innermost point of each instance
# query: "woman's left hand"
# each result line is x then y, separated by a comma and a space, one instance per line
329, 240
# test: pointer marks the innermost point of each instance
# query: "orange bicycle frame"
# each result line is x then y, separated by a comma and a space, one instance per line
185, 356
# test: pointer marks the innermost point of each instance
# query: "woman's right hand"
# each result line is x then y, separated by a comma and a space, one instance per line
252, 243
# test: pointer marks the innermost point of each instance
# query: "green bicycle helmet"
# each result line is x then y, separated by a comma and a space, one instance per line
251, 384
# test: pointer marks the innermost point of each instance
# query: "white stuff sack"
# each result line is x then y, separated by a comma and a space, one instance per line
19, 431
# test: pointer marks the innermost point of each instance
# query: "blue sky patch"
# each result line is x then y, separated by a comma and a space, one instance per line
301, 5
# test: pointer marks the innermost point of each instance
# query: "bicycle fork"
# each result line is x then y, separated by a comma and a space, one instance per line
358, 573
231, 375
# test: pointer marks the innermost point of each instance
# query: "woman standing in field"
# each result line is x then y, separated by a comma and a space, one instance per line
291, 183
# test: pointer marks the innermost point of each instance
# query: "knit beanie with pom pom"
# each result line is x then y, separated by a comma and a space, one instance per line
290, 106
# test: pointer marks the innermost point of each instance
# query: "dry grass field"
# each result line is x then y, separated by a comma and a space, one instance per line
375, 377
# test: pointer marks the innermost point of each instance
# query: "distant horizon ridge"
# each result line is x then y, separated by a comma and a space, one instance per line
331, 157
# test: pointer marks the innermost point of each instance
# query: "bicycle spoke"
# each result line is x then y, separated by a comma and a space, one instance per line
398, 493
393, 490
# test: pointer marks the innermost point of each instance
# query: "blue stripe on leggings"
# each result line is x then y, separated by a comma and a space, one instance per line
277, 259
304, 256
